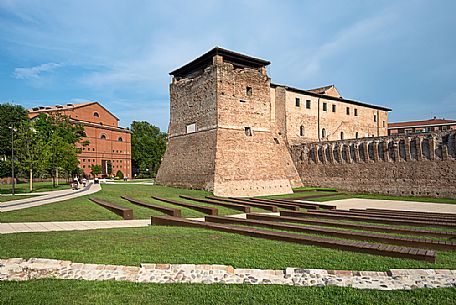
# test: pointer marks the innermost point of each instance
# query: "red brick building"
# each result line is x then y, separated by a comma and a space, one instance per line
434, 124
109, 143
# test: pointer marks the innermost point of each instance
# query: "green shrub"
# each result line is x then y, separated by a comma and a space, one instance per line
119, 174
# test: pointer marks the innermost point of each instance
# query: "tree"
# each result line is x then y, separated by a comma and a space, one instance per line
28, 149
58, 137
10, 116
148, 144
96, 170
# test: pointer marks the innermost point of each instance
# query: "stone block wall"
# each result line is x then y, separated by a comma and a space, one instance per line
419, 165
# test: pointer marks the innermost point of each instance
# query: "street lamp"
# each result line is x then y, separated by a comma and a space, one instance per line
12, 160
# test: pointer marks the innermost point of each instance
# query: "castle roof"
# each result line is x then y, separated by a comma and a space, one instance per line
431, 122
205, 60
330, 97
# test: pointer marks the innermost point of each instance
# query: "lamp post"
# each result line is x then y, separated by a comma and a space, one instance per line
12, 161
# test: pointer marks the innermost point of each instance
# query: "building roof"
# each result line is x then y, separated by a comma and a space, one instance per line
205, 60
329, 97
321, 90
431, 122
43, 109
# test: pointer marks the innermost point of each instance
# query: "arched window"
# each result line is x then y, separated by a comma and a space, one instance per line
323, 133
120, 139
95, 114
103, 137
341, 135
301, 131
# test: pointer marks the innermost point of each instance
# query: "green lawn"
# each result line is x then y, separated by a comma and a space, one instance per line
111, 292
82, 208
161, 244
37, 187
6, 198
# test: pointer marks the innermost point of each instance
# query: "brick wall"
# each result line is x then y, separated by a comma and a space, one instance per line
420, 165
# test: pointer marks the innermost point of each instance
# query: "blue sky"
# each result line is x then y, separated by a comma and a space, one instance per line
400, 54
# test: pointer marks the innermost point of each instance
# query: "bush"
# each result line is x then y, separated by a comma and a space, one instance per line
5, 169
119, 174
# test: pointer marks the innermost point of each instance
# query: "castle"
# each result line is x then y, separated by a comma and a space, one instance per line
231, 129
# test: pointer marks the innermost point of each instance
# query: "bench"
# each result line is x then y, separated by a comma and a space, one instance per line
125, 213
268, 207
233, 206
166, 210
199, 208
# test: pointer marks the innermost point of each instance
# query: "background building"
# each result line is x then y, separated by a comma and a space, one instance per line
434, 124
109, 144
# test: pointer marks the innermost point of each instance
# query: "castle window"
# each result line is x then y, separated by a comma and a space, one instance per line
356, 112
357, 135
120, 139
95, 114
341, 135
384, 123
347, 111
242, 101
191, 128
248, 91
325, 107
323, 133
298, 102
333, 108
301, 131
375, 118
103, 137
308, 104
93, 149
248, 131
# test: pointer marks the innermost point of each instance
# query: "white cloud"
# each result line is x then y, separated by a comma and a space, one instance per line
34, 72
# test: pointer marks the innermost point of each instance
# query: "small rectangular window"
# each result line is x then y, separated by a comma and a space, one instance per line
191, 128
384, 124
333, 108
348, 111
308, 103
248, 91
325, 107
242, 101
248, 131
298, 102
356, 112
375, 118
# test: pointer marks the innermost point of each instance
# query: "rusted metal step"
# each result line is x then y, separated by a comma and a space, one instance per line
160, 208
348, 245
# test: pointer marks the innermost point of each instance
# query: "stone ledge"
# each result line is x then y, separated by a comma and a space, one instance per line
18, 269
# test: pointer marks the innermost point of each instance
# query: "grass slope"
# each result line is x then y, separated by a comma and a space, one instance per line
82, 208
110, 292
160, 244
37, 187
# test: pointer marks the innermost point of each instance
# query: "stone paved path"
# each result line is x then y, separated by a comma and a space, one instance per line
49, 197
20, 227
360, 203
18, 269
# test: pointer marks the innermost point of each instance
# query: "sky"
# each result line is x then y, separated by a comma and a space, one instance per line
398, 54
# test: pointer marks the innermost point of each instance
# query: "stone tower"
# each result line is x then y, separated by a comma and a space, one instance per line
222, 132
